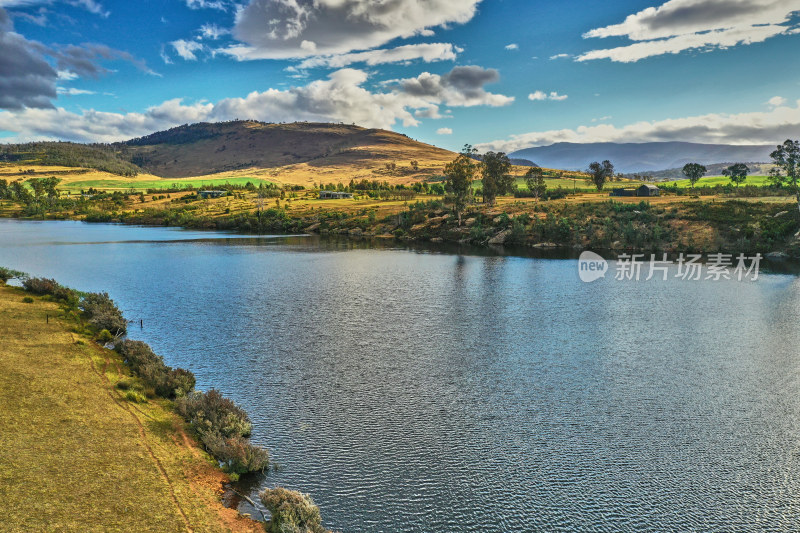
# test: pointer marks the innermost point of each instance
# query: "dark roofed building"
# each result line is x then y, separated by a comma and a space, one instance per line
334, 195
648, 190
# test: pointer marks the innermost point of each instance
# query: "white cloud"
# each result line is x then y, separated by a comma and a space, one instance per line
281, 29
187, 49
207, 4
512, 46
776, 101
92, 6
427, 52
559, 56
339, 98
743, 128
67, 75
444, 131
212, 31
679, 25
541, 95
72, 91
602, 119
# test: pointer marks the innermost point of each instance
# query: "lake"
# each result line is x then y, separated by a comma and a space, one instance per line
415, 391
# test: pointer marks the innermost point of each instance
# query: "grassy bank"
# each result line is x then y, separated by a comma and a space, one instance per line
77, 455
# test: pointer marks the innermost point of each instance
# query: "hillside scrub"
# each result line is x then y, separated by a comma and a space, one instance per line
224, 429
103, 313
166, 382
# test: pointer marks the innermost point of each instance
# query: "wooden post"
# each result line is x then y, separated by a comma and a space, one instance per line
47, 317
141, 323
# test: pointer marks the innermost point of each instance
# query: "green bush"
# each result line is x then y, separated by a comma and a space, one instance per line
135, 397
7, 274
103, 313
105, 336
27, 300
291, 512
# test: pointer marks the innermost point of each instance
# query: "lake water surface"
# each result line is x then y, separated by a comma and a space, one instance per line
414, 391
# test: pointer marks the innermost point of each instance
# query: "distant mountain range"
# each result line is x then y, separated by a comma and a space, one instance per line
641, 157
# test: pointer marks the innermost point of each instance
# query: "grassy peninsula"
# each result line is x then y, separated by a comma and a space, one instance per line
79, 457
93, 439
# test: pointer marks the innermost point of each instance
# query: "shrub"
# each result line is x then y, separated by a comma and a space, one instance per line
179, 383
236, 455
211, 412
105, 336
27, 300
292, 512
167, 382
40, 286
223, 428
103, 313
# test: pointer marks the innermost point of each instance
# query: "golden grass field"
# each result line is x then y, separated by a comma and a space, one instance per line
76, 455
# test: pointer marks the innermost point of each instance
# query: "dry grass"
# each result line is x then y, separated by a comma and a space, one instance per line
78, 457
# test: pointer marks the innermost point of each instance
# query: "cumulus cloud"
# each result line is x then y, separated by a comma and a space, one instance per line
281, 29
26, 78
444, 131
461, 87
187, 49
339, 98
541, 95
743, 128
680, 25
512, 46
427, 52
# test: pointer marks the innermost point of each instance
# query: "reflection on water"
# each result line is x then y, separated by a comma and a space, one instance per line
429, 392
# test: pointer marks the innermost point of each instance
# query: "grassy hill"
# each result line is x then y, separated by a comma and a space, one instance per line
238, 151
226, 147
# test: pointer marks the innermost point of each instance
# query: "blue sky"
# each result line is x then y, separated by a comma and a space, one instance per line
501, 74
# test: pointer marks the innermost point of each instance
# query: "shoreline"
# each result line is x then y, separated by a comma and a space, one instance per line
666, 224
160, 465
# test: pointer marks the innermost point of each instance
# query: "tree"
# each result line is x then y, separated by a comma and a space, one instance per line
495, 173
787, 166
534, 179
737, 173
459, 174
38, 185
20, 193
694, 171
599, 173
414, 165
